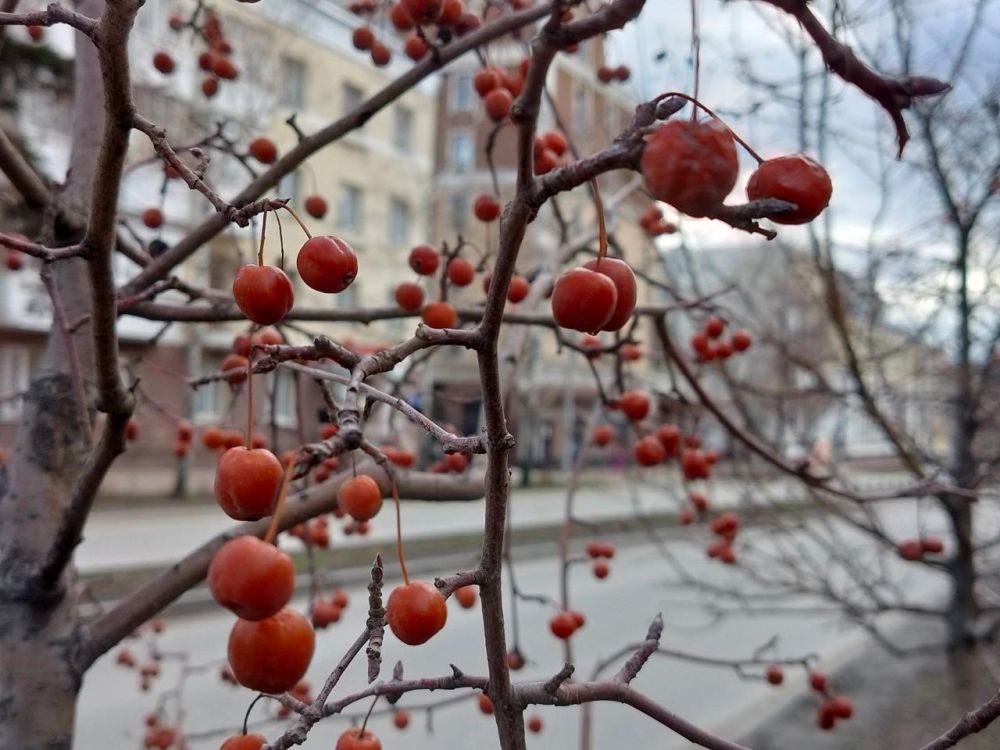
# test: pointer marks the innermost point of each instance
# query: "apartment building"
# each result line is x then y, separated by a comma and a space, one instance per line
293, 58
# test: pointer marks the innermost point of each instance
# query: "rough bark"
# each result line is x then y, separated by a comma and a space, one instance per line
37, 624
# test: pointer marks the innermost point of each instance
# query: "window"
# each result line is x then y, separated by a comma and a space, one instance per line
292, 83
459, 206
284, 397
460, 150
352, 96
15, 377
402, 129
349, 208
209, 398
223, 263
399, 221
461, 92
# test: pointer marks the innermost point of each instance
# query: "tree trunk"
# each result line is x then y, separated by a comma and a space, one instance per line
38, 678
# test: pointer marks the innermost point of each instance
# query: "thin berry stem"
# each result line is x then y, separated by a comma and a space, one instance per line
298, 219
260, 248
602, 229
249, 438
399, 532
272, 528
712, 114
246, 716
364, 724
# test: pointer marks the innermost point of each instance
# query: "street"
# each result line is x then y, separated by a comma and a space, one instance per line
111, 706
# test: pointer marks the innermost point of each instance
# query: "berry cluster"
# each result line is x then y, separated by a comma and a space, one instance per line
707, 342
693, 166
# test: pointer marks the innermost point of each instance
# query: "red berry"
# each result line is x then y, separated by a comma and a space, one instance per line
486, 80
534, 723
415, 48
424, 11
497, 104
555, 141
630, 352
699, 501
252, 578
669, 436
273, 654
212, 438
817, 681
400, 17
131, 429
740, 340
415, 612
263, 293
562, 625
634, 404
424, 259
363, 38
910, 549
515, 660
327, 264
223, 67
357, 739
152, 217
602, 434
545, 162
209, 87
456, 462
648, 451
163, 62
584, 300
439, 315
600, 569
796, 179
181, 448
932, 545
825, 717
35, 32
486, 207
714, 327
381, 54
269, 337
694, 464
485, 704
460, 272
315, 206
774, 674
246, 482
842, 707
263, 150
13, 260
518, 289
244, 742
624, 280
451, 12
401, 718
236, 364
725, 524
360, 497
466, 596
409, 296
690, 165
685, 517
